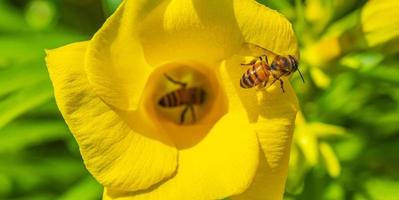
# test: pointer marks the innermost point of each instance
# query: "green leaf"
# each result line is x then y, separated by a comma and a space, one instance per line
282, 6
33, 172
38, 196
21, 48
15, 78
110, 6
333, 191
385, 73
350, 148
23, 100
382, 188
366, 61
40, 14
11, 20
5, 185
22, 134
300, 23
336, 99
46, 110
87, 189
342, 25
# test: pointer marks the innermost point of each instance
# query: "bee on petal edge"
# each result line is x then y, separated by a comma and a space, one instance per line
261, 72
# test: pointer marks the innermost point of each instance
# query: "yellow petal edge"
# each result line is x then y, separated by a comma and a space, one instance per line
118, 155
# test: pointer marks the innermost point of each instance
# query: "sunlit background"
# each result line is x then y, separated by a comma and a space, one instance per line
346, 143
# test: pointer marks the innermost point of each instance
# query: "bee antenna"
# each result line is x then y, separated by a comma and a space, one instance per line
301, 75
175, 81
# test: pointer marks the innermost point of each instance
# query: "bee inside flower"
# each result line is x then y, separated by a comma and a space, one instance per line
111, 91
186, 90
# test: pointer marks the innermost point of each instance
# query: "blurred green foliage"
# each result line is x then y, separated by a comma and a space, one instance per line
39, 158
347, 137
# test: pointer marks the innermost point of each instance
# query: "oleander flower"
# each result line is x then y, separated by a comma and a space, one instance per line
108, 91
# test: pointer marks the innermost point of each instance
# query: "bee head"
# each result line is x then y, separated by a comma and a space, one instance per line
284, 63
294, 63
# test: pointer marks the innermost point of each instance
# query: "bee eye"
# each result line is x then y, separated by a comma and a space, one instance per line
295, 63
285, 61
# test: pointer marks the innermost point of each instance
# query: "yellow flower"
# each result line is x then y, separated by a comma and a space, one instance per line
380, 22
108, 90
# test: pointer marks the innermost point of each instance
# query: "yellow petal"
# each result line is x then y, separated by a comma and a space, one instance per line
155, 32
265, 27
263, 186
330, 159
117, 152
115, 64
380, 21
271, 111
191, 30
221, 165
213, 30
308, 144
275, 125
321, 79
306, 141
272, 114
322, 130
198, 30
315, 11
325, 51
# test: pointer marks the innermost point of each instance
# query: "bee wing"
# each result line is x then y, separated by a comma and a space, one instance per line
256, 50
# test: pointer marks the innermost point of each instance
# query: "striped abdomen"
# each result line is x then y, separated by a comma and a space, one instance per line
183, 96
254, 76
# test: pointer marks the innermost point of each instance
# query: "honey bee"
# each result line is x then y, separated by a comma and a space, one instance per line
183, 96
261, 71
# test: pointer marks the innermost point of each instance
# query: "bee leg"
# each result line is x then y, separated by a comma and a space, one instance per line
182, 84
193, 113
275, 79
281, 82
282, 85
262, 85
183, 114
252, 62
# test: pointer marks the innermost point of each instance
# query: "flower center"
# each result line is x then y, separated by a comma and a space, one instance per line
185, 100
